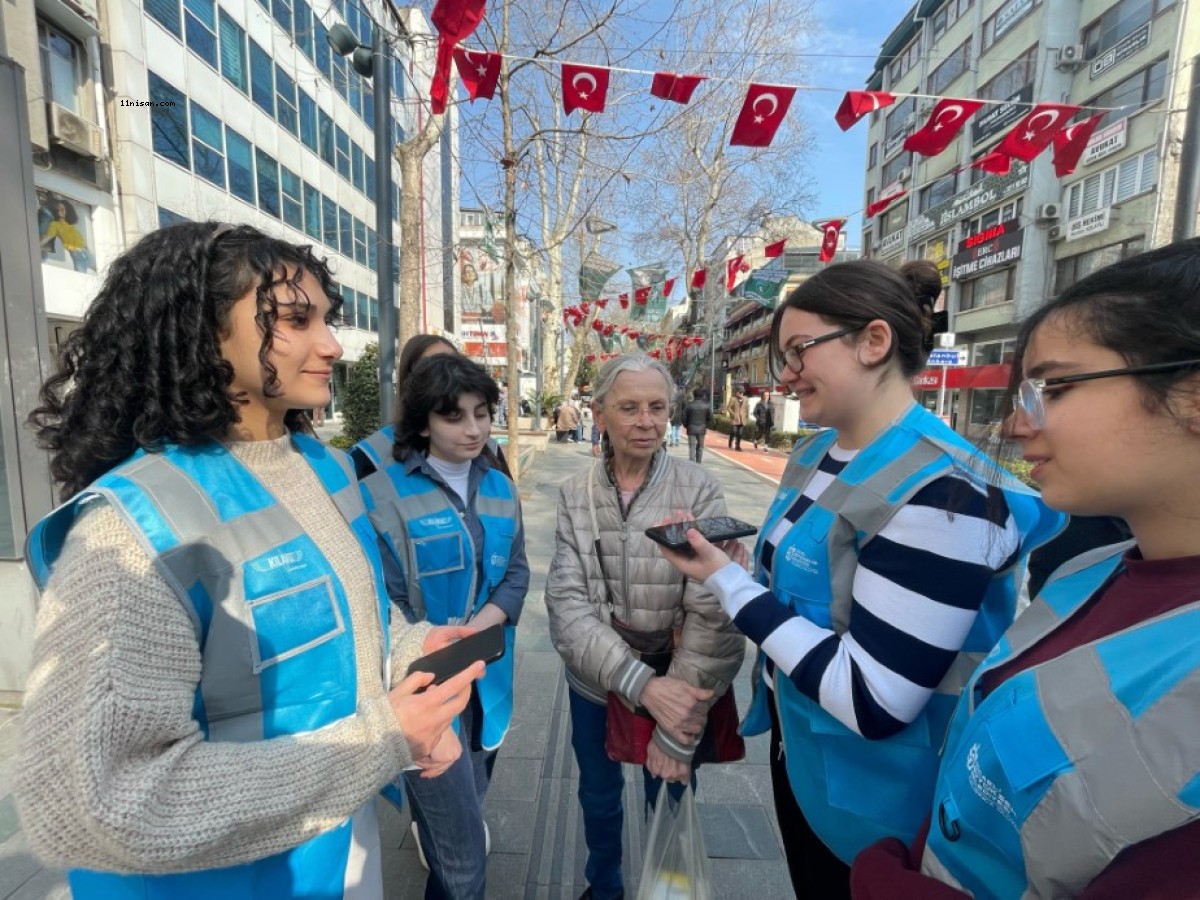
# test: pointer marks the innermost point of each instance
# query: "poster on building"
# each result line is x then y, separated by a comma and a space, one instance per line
765, 283
485, 344
64, 227
481, 287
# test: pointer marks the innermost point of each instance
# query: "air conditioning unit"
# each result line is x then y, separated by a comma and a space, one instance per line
905, 174
1049, 212
1070, 58
1056, 233
75, 132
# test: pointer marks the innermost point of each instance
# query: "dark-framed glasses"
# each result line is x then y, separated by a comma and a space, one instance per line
1030, 396
793, 356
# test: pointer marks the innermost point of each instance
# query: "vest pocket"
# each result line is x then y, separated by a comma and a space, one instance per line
287, 623
438, 554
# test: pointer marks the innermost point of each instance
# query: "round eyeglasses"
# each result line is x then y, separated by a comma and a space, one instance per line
1030, 396
793, 356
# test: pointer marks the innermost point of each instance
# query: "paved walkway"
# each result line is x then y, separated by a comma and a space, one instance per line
537, 832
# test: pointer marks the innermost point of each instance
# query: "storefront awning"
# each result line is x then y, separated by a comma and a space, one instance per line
965, 378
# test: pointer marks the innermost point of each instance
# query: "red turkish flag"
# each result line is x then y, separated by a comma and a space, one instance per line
623, 299
699, 277
676, 88
775, 249
997, 162
1036, 130
732, 268
874, 209
479, 71
597, 325
584, 87
857, 104
761, 115
602, 302
454, 20
829, 241
668, 286
641, 295
1070, 143
943, 126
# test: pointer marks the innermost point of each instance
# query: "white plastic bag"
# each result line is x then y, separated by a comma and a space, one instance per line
676, 863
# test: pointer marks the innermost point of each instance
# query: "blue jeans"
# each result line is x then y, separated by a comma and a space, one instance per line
675, 434
600, 785
448, 811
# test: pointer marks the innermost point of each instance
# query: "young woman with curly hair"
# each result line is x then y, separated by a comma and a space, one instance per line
215, 697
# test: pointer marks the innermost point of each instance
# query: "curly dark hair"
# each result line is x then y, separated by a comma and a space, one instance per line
434, 386
145, 368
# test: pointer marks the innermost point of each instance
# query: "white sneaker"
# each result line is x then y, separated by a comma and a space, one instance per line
420, 853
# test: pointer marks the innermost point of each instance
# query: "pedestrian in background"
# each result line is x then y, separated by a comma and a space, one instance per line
888, 564
1072, 764
738, 411
609, 590
677, 406
567, 422
764, 420
697, 419
207, 713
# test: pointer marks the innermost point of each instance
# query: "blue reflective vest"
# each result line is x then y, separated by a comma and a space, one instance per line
242, 566
855, 791
1066, 764
428, 539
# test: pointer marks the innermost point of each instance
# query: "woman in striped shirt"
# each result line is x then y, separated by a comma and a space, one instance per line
889, 563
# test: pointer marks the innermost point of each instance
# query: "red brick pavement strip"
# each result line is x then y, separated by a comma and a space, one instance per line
767, 466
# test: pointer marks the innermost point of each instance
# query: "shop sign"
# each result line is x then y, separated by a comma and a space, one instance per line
1092, 223
995, 119
988, 234
1000, 251
1106, 142
896, 141
1008, 16
1125, 48
892, 243
975, 199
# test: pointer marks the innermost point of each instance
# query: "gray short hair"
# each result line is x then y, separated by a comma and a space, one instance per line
629, 362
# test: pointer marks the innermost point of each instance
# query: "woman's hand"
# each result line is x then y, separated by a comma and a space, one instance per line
666, 767
445, 752
678, 708
423, 717
445, 635
706, 559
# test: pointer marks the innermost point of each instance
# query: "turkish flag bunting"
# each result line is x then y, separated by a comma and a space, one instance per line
1070, 143
762, 112
775, 249
676, 88
732, 268
479, 71
1036, 130
857, 104
583, 307
597, 324
454, 20
699, 341
602, 302
641, 295
668, 286
699, 277
997, 162
942, 127
829, 242
623, 299
874, 209
584, 87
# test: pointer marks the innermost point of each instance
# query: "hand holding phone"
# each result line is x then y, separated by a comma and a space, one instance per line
673, 535
486, 646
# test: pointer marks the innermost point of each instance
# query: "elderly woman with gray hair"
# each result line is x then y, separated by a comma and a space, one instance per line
641, 644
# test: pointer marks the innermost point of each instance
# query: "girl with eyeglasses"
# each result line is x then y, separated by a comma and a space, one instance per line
889, 564
1072, 766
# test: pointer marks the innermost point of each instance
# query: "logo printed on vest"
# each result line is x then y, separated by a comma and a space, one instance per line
498, 560
278, 561
437, 521
986, 790
802, 560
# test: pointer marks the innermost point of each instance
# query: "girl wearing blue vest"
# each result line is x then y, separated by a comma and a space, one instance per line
889, 562
1072, 767
449, 526
214, 701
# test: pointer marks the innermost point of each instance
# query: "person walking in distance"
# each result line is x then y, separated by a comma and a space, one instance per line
738, 411
697, 418
764, 418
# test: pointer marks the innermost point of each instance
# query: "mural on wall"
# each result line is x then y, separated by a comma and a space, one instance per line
62, 232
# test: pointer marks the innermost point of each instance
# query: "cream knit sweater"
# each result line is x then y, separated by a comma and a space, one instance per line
114, 773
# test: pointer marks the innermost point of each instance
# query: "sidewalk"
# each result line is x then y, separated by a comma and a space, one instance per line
766, 465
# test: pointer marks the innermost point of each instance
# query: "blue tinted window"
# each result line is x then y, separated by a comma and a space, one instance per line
241, 165
369, 107
397, 79
357, 160
293, 198
304, 27
262, 79
208, 146
321, 48
233, 53
166, 13
325, 130
345, 233
168, 121
360, 242
340, 81
312, 212
202, 29
371, 179
267, 170
282, 11
167, 217
374, 314
343, 152
355, 85
372, 250
308, 121
329, 225
349, 308
285, 94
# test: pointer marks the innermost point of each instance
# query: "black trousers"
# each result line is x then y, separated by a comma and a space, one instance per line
816, 873
735, 436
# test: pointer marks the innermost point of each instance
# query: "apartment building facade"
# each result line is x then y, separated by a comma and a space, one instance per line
1005, 244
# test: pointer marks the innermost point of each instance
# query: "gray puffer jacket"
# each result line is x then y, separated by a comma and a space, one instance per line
648, 593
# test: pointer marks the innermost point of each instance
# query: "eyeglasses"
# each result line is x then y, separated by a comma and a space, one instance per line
793, 356
632, 412
1030, 396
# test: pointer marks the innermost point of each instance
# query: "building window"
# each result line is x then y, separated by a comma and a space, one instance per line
899, 117
293, 198
1131, 94
1012, 78
1004, 213
329, 224
374, 313
953, 66
373, 251
62, 66
345, 233
349, 309
986, 406
358, 161
994, 352
282, 11
368, 110
285, 96
989, 290
1118, 22
308, 121
262, 79
893, 220
341, 83
1073, 268
168, 121
233, 53
903, 61
873, 156
360, 242
950, 13
65, 232
1115, 184
370, 164
208, 146
241, 166
342, 145
166, 13
354, 83
201, 26
267, 170
325, 131
894, 167
312, 212
304, 28
166, 217
938, 192
321, 49
1008, 21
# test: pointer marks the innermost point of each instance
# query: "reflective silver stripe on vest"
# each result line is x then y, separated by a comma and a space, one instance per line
348, 500
1127, 778
381, 445
498, 507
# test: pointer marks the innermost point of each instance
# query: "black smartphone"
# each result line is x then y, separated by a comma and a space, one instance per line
716, 529
487, 645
